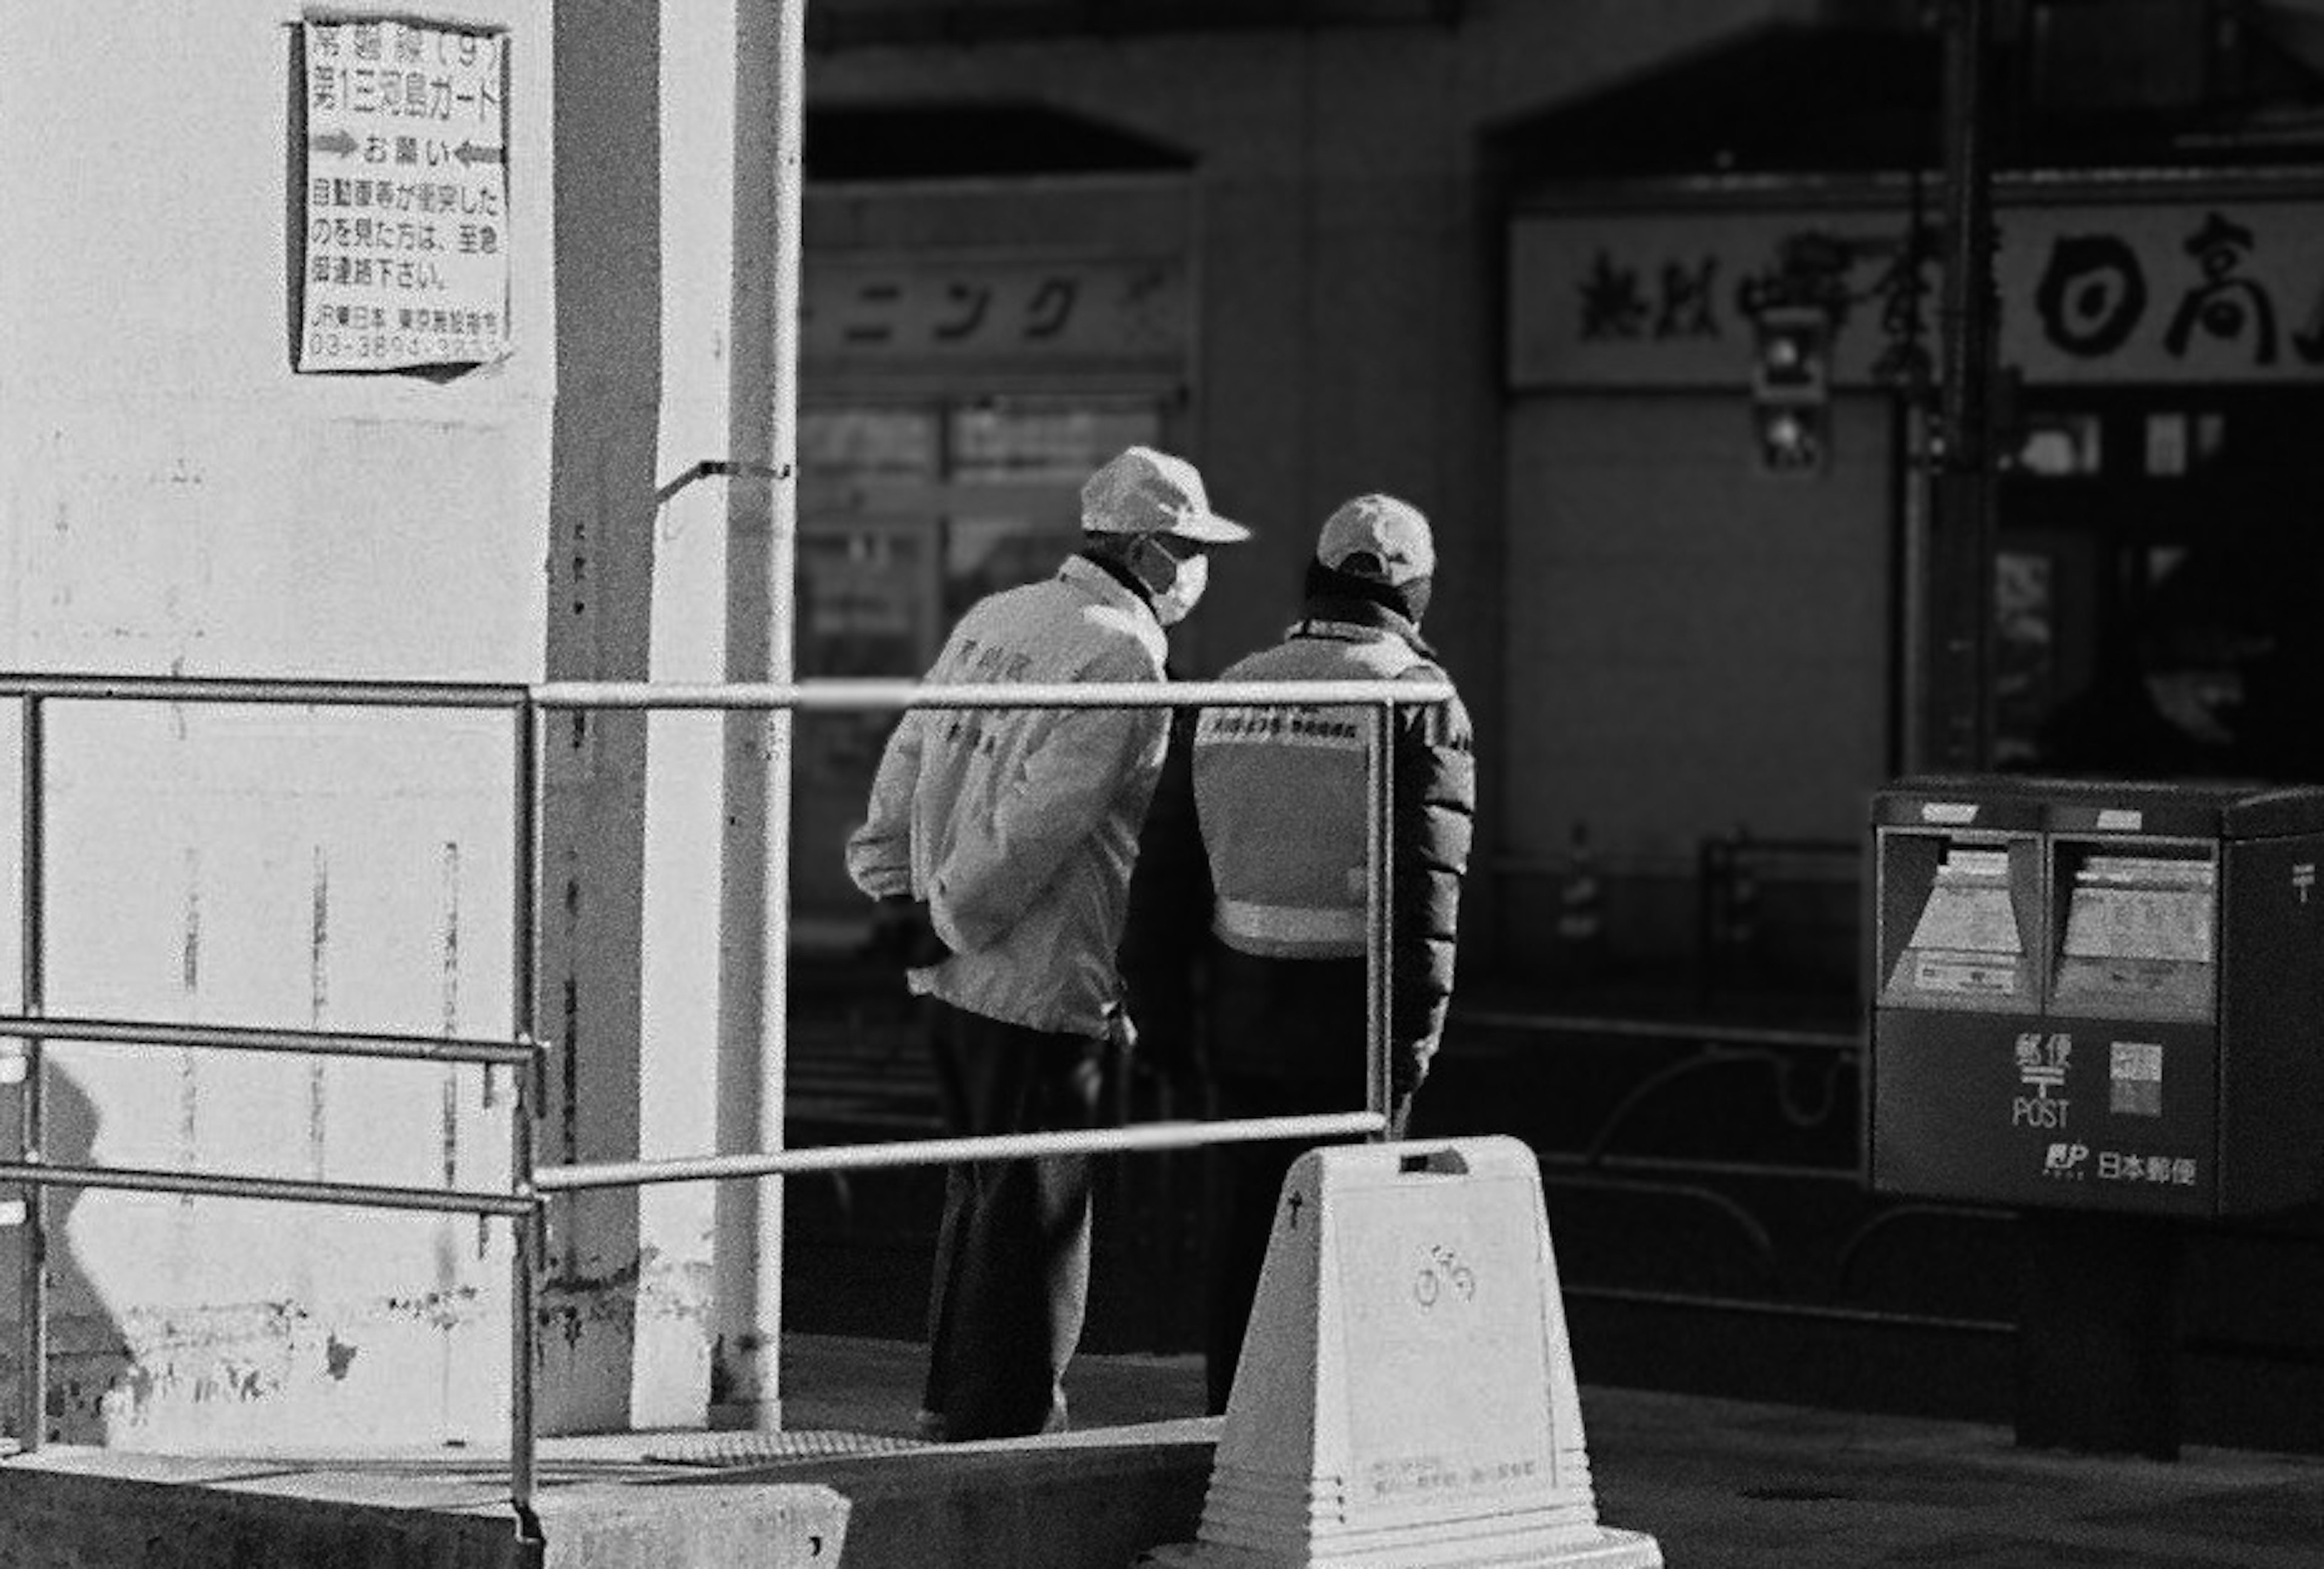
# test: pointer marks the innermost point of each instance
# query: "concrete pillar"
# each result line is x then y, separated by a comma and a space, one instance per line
672, 564
762, 512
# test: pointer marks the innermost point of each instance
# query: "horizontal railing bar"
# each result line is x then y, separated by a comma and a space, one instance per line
234, 1037
1822, 1312
294, 1190
855, 696
1701, 1031
1173, 1135
1683, 1166
239, 689
839, 695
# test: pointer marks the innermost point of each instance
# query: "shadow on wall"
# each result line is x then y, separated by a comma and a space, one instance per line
89, 1367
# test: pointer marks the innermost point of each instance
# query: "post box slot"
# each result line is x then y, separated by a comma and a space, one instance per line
1957, 919
2136, 929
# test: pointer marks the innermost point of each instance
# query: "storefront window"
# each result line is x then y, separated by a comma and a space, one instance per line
862, 569
1030, 456
2025, 661
841, 444
2159, 579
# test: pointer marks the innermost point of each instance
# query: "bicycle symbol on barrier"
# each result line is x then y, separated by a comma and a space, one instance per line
1443, 1271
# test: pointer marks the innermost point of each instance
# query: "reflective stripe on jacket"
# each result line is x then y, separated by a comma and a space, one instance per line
1281, 795
1019, 825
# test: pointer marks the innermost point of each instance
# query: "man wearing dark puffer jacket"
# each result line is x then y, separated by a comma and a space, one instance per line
1282, 801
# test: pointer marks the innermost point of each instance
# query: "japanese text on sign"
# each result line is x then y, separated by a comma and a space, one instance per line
406, 198
1127, 312
2224, 290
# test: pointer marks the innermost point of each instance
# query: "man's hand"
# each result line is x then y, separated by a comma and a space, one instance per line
1408, 1068
904, 933
1162, 1066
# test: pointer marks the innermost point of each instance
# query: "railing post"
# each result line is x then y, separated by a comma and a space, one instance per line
32, 1382
524, 856
1379, 924
524, 1309
528, 1082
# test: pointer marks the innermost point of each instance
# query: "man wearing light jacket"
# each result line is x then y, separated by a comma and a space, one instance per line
999, 843
1283, 806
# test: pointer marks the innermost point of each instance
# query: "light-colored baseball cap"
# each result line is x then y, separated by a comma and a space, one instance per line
1379, 539
1141, 491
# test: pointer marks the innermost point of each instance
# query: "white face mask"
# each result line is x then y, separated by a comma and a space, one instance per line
1173, 600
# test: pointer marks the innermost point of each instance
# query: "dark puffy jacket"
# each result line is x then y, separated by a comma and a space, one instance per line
1281, 801
1165, 943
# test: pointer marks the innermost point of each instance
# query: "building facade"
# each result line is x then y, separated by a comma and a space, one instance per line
1523, 262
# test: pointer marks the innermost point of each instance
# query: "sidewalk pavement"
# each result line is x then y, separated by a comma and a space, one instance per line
1731, 1484
1721, 1484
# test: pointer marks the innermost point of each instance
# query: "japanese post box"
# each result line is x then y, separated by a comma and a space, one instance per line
2099, 995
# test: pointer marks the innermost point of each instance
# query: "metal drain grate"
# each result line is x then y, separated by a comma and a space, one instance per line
768, 1448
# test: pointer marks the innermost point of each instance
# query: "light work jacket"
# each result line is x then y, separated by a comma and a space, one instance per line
1281, 797
1019, 825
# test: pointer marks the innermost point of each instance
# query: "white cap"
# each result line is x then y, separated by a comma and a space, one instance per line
1145, 492
1379, 539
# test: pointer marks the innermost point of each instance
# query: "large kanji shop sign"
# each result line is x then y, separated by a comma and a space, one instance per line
2219, 291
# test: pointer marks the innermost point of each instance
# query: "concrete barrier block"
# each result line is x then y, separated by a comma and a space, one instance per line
1405, 1395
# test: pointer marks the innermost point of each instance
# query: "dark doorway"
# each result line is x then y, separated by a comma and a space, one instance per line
2161, 583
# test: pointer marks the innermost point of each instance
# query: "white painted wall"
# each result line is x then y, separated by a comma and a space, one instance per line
173, 498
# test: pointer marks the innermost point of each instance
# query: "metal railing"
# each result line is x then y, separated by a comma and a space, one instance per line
524, 1202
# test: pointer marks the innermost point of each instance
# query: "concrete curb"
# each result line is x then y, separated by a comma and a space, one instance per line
1085, 1500
96, 1510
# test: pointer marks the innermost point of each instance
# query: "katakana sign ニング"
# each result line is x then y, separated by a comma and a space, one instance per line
405, 254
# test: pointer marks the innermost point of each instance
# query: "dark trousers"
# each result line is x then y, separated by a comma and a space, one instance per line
1287, 1037
1011, 1280
1249, 1179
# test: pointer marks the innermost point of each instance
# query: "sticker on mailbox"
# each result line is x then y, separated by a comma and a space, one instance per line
2135, 1078
1967, 977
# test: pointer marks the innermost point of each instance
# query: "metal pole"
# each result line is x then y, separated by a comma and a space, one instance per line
527, 1084
1140, 1136
33, 1305
524, 856
454, 1048
295, 693
1961, 719
457, 1201
1916, 685
840, 697
1380, 925
524, 1316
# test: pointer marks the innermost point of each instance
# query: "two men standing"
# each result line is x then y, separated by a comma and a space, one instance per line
999, 843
